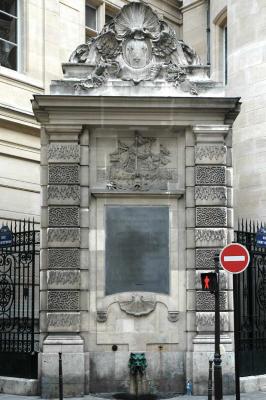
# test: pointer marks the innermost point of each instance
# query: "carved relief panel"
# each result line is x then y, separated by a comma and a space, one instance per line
136, 160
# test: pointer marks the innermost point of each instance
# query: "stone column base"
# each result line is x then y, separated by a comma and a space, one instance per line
72, 349
203, 352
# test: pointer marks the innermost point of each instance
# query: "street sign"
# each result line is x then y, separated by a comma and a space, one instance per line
234, 258
208, 281
5, 236
261, 237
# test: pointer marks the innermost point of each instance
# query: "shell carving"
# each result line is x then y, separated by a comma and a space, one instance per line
137, 306
138, 21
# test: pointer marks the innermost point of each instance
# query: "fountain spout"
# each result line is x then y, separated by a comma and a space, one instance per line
137, 366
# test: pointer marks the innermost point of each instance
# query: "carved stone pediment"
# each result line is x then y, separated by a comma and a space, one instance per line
138, 306
136, 46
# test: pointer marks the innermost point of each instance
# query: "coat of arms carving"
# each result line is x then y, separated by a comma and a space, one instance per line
136, 46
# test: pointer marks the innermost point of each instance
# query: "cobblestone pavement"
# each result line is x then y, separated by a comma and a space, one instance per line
244, 396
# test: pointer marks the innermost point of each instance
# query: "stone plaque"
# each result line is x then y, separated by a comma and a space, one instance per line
137, 249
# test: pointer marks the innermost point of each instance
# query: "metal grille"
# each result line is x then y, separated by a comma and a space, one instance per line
250, 304
19, 301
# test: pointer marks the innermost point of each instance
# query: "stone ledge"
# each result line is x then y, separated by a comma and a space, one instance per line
249, 384
19, 386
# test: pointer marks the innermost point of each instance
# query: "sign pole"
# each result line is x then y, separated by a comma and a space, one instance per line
236, 334
218, 380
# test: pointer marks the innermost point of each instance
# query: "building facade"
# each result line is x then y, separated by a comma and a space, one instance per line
36, 38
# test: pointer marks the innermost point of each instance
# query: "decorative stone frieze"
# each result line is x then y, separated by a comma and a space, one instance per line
63, 258
63, 216
101, 316
210, 237
63, 194
210, 195
66, 322
215, 175
63, 237
63, 152
67, 300
205, 301
63, 279
205, 258
63, 174
210, 154
211, 216
223, 279
205, 321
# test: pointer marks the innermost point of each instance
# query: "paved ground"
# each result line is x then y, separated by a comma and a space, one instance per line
244, 396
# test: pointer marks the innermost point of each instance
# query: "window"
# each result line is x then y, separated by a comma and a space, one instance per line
9, 34
219, 48
91, 17
225, 53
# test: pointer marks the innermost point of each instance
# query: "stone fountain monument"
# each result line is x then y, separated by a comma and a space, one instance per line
136, 199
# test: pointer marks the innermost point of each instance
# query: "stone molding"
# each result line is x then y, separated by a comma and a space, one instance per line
211, 216
63, 174
210, 134
210, 195
63, 279
63, 258
63, 129
63, 195
63, 153
63, 237
63, 216
65, 300
206, 175
205, 301
63, 322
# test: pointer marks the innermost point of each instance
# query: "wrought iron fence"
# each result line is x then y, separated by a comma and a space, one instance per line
250, 303
19, 298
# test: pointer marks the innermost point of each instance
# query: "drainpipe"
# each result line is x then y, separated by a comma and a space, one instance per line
208, 31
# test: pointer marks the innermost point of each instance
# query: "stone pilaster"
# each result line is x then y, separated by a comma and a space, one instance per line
61, 275
213, 221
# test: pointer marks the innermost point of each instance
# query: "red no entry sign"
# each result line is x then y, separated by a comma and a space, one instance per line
234, 258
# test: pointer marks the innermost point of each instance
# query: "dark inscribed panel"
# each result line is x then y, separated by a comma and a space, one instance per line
137, 249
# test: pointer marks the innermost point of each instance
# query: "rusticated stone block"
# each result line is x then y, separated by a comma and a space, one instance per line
210, 237
63, 152
65, 300
205, 301
210, 175
63, 174
210, 154
210, 195
63, 279
63, 322
205, 258
63, 216
63, 194
205, 321
63, 258
211, 216
63, 237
